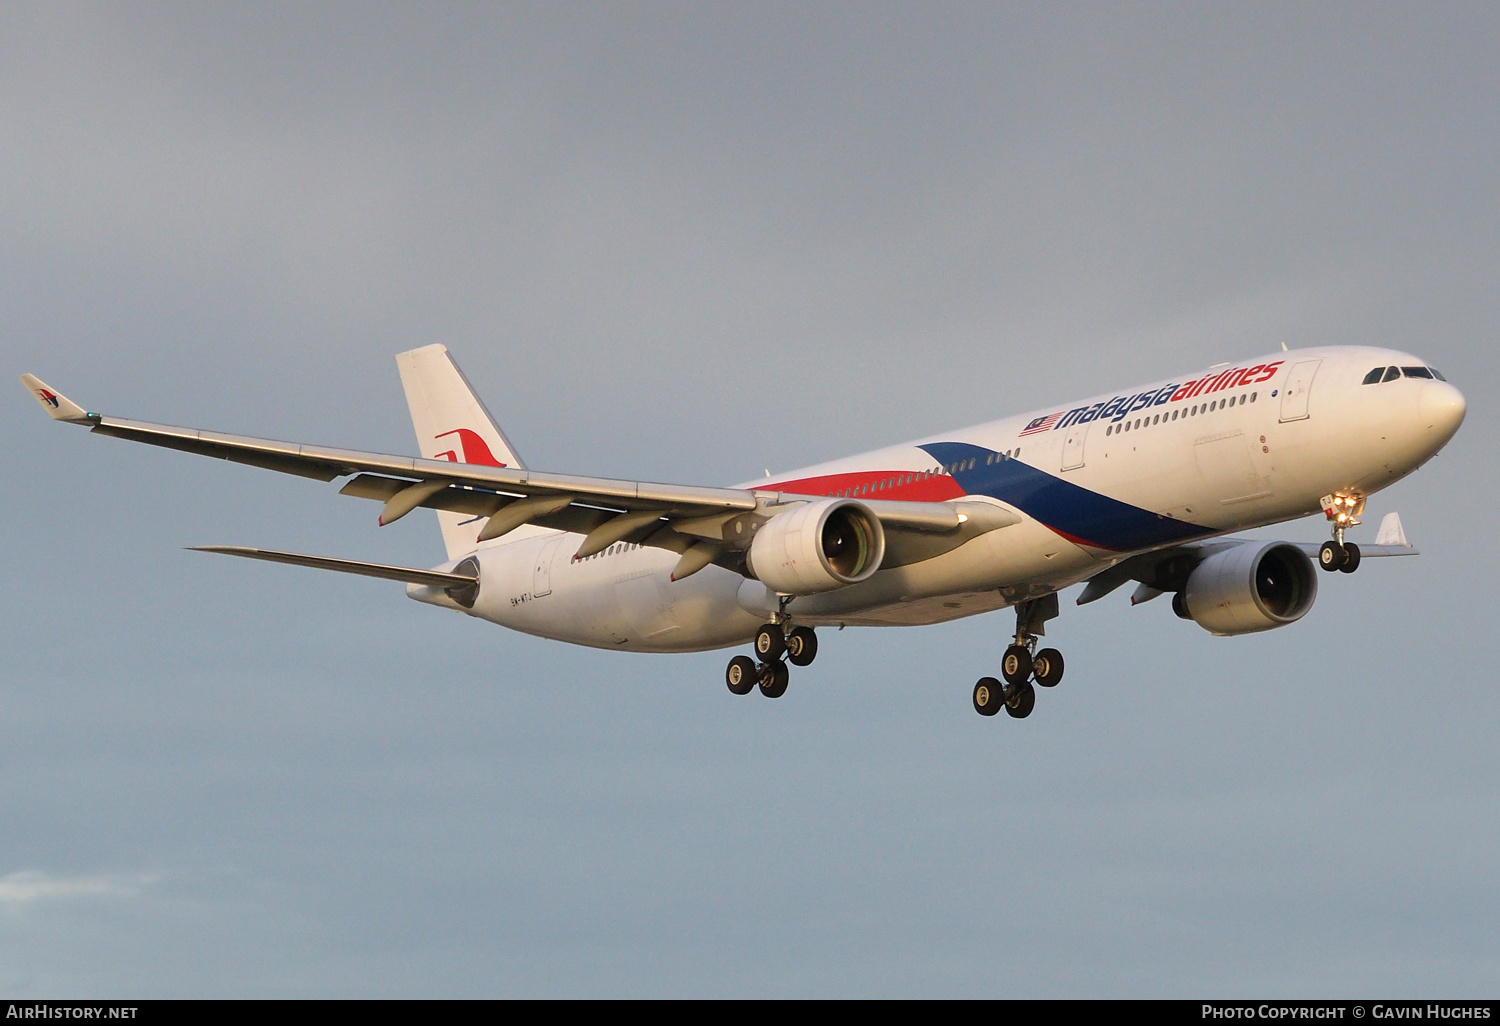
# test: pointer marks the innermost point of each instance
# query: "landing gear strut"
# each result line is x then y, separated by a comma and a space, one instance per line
1342, 510
776, 644
1022, 665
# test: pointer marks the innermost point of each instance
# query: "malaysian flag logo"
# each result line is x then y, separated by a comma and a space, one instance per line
1041, 424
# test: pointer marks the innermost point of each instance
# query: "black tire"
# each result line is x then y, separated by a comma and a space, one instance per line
741, 675
770, 643
989, 696
1331, 556
1047, 667
1020, 701
1351, 558
801, 646
774, 678
1015, 665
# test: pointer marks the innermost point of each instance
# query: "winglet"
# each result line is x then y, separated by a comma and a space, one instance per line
1391, 532
58, 407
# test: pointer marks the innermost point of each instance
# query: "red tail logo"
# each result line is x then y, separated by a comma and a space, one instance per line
474, 449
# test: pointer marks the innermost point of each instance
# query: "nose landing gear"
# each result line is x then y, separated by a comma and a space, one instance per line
1335, 556
776, 644
1022, 666
1342, 510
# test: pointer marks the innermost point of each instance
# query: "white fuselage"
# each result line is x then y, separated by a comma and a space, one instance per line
1235, 447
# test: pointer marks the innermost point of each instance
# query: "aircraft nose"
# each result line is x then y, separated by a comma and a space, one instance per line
1442, 410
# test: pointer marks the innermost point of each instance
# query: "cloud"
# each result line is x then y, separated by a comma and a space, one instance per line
35, 885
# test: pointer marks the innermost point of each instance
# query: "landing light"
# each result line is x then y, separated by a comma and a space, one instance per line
963, 518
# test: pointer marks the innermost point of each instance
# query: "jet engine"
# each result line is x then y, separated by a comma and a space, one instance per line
817, 547
1250, 587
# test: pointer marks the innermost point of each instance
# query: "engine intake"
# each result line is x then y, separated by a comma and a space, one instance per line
1252, 587
820, 546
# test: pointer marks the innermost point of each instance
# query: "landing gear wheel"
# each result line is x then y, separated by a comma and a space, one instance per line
1351, 558
741, 675
770, 642
1020, 701
989, 696
1332, 556
801, 646
774, 677
1047, 667
1015, 667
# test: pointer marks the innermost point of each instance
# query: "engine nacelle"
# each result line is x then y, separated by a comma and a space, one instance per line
1252, 587
817, 547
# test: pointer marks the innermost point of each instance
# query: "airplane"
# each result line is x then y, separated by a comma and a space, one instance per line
1144, 484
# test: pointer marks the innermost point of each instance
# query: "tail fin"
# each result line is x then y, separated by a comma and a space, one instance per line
451, 424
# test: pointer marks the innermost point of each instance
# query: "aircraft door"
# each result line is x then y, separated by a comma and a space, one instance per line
1072, 450
1228, 473
1298, 389
541, 577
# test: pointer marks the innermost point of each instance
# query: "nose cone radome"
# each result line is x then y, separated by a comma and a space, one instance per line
1442, 409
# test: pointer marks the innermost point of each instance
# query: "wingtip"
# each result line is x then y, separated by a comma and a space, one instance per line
1391, 531
57, 405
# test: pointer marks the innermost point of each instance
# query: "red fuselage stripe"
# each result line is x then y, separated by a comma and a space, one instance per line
939, 488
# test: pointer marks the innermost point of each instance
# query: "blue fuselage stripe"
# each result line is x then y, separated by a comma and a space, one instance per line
1077, 513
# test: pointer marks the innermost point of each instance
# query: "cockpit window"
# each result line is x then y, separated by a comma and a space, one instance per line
1392, 373
1373, 378
1416, 372
1437, 373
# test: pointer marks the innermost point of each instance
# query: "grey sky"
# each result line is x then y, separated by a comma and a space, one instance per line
686, 243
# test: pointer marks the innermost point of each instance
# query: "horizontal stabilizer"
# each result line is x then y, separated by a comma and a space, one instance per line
58, 406
431, 578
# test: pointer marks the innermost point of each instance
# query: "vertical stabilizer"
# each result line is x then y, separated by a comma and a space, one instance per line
451, 424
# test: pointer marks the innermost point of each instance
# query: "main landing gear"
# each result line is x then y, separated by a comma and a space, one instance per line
1343, 512
776, 644
1022, 666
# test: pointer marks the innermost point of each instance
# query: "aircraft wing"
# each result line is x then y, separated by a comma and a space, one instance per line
324, 463
1151, 569
606, 510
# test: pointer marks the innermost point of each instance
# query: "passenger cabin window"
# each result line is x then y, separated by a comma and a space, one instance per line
1373, 378
1417, 372
1392, 373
